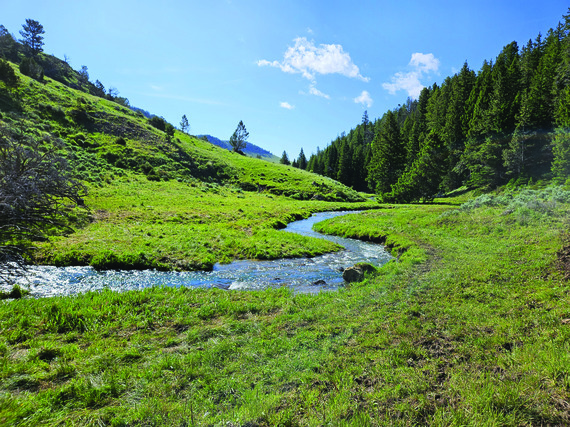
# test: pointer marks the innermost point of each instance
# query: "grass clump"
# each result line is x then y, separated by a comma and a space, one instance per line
15, 293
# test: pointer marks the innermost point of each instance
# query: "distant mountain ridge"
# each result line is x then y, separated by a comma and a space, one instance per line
250, 149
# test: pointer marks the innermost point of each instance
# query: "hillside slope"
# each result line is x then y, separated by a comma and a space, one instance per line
162, 198
249, 150
104, 140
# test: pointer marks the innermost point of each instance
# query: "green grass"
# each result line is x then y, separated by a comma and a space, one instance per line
469, 326
138, 223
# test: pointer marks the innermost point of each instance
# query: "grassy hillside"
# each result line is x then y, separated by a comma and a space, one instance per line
158, 200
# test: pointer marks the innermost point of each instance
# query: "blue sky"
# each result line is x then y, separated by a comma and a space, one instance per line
297, 72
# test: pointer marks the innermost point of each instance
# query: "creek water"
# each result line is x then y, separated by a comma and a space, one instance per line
304, 275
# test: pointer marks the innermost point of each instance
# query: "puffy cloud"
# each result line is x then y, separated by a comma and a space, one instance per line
409, 82
286, 105
364, 99
422, 64
309, 60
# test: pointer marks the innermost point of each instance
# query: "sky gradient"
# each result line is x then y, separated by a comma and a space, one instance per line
297, 72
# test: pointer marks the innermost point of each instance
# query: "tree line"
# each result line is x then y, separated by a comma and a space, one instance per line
506, 123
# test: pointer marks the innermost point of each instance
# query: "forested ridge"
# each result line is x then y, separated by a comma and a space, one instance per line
506, 123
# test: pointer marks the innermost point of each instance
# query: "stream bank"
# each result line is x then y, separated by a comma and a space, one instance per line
303, 275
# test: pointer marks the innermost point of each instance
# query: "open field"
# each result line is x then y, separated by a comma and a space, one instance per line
470, 326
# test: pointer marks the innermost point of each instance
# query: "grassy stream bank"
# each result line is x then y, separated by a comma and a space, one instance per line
469, 326
135, 224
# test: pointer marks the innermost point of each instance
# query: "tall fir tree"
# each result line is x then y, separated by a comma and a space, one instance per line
388, 156
302, 160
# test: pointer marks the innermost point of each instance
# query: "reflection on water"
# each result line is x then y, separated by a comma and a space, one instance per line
305, 275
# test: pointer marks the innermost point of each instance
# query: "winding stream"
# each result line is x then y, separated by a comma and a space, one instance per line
304, 275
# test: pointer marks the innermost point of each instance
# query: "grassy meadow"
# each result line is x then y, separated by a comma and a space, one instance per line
468, 326
136, 223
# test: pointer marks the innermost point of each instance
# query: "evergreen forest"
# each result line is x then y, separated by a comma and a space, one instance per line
506, 123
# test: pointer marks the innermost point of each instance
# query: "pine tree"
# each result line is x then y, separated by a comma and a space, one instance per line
562, 101
7, 74
184, 125
515, 157
478, 103
561, 152
32, 36
30, 68
345, 170
302, 160
504, 100
423, 179
238, 140
331, 161
388, 156
284, 159
8, 46
419, 128
457, 125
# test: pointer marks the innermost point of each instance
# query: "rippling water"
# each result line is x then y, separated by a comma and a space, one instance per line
306, 275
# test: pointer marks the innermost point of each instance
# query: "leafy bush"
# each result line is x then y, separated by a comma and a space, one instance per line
30, 68
7, 74
158, 122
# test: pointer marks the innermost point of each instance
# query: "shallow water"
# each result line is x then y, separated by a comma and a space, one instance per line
300, 274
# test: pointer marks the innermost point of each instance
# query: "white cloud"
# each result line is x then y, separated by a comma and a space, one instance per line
364, 99
409, 82
422, 64
314, 91
309, 60
286, 105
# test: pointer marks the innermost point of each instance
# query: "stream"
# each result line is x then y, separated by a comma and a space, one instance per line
303, 275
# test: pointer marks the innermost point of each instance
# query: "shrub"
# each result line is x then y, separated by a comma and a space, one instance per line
158, 122
7, 74
30, 68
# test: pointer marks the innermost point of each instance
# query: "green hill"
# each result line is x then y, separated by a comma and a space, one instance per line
193, 202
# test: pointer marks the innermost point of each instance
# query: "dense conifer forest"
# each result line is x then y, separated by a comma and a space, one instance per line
506, 123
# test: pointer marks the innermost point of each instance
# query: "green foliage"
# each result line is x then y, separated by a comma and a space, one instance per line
561, 152
158, 122
15, 293
184, 125
388, 156
423, 179
284, 159
30, 68
7, 74
8, 46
